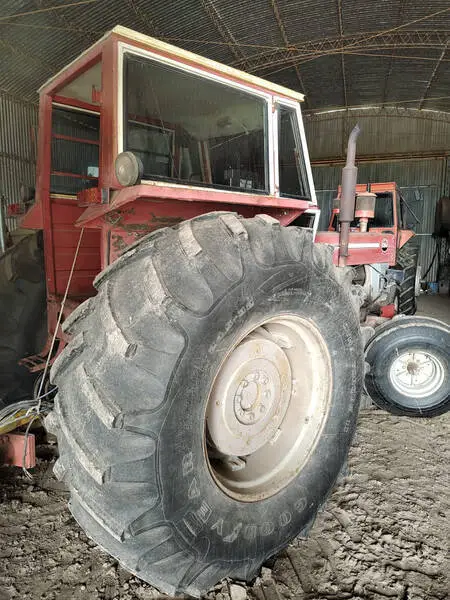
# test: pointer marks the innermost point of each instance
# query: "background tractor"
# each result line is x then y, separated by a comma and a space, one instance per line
382, 250
208, 355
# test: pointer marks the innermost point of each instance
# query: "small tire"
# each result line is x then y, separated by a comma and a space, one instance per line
23, 323
407, 257
408, 362
134, 386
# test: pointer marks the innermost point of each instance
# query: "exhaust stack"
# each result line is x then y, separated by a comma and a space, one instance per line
348, 194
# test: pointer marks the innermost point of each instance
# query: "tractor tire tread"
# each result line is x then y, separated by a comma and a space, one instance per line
407, 257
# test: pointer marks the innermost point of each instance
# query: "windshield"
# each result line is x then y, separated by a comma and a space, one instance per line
192, 130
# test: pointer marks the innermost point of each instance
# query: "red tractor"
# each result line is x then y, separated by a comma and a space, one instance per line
380, 248
208, 355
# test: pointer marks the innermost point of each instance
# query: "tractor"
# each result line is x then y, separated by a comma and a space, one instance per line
382, 250
208, 355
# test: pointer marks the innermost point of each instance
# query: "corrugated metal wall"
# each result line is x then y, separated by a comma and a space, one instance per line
422, 180
384, 131
18, 135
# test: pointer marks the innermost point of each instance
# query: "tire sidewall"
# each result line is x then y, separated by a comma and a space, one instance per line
221, 527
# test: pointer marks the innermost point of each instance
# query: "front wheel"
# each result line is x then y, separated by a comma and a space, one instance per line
408, 362
208, 398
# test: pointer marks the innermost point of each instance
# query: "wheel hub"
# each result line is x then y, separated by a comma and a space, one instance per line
413, 368
250, 397
267, 406
254, 395
416, 374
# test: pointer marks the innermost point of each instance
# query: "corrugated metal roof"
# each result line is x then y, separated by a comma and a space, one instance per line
344, 52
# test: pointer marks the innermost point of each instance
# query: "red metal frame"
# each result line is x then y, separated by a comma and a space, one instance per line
75, 103
70, 138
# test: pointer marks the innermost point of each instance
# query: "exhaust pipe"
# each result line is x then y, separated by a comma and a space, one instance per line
348, 193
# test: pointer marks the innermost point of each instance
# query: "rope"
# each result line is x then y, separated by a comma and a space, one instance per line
37, 408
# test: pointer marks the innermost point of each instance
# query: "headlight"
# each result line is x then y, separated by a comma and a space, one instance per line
129, 169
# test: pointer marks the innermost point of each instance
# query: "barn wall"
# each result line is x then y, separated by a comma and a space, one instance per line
412, 150
18, 135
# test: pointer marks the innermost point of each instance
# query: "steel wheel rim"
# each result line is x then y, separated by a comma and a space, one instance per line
267, 407
417, 373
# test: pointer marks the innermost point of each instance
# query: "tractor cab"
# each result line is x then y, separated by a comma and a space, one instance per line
136, 134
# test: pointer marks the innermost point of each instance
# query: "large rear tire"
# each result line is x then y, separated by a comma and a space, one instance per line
200, 339
22, 315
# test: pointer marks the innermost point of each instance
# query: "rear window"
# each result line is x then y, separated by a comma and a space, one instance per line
75, 151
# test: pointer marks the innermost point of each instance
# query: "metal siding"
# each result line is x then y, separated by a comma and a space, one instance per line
18, 135
325, 201
326, 181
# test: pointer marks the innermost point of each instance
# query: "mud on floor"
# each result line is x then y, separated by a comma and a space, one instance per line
383, 533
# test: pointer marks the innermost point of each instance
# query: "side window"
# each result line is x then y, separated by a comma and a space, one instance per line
291, 162
75, 151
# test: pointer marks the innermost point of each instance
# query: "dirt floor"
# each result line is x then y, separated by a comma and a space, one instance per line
434, 305
383, 532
